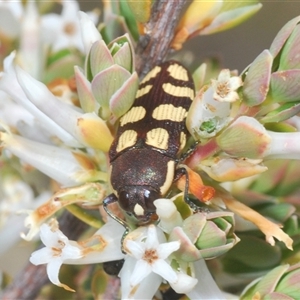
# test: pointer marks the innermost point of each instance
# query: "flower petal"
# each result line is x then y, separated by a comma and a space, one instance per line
41, 256
184, 283
141, 270
164, 250
162, 268
52, 272
134, 248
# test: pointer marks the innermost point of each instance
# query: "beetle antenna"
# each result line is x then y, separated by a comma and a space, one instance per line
111, 199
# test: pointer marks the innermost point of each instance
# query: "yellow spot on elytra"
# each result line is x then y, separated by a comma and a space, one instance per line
158, 137
127, 139
145, 90
178, 72
169, 112
151, 74
178, 91
169, 177
135, 114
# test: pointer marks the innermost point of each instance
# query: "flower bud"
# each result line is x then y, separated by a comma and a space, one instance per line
205, 236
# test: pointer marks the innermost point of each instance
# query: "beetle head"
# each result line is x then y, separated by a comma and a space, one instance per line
137, 201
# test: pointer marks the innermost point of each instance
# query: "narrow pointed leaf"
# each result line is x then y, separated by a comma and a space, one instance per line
123, 57
282, 113
283, 35
290, 58
87, 100
231, 18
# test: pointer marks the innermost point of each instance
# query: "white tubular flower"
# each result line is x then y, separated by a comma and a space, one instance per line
206, 287
58, 249
81, 126
225, 87
104, 245
206, 116
60, 164
89, 33
10, 85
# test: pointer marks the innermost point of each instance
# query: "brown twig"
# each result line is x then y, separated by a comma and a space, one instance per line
31, 279
154, 46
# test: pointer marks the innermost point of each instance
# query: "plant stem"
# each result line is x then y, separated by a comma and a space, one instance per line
154, 46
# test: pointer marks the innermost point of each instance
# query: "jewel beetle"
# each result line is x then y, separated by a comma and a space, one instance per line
149, 142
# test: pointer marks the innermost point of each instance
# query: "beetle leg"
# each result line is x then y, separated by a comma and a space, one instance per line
113, 199
189, 152
183, 172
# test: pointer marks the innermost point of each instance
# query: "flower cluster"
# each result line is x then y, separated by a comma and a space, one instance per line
65, 83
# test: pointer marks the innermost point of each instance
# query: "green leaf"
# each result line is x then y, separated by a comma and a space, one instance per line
231, 18
251, 254
284, 86
100, 57
87, 100
282, 113
245, 137
272, 177
123, 98
130, 18
140, 9
290, 58
107, 82
123, 52
211, 236
279, 212
277, 296
256, 85
269, 282
289, 284
283, 35
62, 66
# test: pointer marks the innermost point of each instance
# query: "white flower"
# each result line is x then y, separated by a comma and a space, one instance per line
63, 31
151, 257
11, 12
58, 249
148, 264
103, 246
225, 87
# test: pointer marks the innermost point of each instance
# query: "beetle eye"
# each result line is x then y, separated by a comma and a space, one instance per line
124, 200
150, 196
